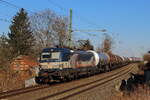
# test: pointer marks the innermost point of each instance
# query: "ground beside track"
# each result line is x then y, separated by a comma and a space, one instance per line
105, 91
102, 92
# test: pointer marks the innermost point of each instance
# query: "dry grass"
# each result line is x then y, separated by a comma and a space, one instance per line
141, 93
11, 80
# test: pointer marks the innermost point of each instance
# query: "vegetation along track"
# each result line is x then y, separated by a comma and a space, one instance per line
66, 94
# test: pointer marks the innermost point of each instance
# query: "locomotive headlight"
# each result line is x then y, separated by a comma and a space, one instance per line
37, 70
44, 66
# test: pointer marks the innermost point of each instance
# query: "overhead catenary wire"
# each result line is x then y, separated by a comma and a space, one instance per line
52, 2
83, 19
9, 4
103, 30
18, 7
12, 6
5, 20
87, 32
58, 6
6, 3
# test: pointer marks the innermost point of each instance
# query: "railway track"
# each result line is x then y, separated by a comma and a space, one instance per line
66, 93
21, 91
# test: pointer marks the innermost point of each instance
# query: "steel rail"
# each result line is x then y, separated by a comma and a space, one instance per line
86, 84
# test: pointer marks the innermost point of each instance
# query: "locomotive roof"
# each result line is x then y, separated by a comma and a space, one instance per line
56, 49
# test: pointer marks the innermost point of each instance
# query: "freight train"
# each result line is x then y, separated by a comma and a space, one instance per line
63, 64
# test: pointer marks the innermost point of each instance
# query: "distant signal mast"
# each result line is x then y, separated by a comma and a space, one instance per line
71, 30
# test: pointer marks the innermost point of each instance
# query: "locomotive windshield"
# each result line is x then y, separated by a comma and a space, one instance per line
55, 55
50, 55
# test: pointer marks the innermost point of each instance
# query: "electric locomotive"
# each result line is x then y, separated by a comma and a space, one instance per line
62, 64
53, 61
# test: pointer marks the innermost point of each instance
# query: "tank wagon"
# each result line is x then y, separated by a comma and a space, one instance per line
62, 64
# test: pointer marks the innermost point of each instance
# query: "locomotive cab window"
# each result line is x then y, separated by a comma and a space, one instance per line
52, 55
46, 55
55, 55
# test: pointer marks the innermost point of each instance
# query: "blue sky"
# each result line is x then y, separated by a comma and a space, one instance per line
127, 21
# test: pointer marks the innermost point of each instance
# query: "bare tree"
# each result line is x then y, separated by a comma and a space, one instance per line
49, 29
60, 26
5, 53
41, 25
107, 43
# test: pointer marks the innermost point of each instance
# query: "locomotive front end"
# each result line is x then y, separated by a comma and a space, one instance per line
52, 61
